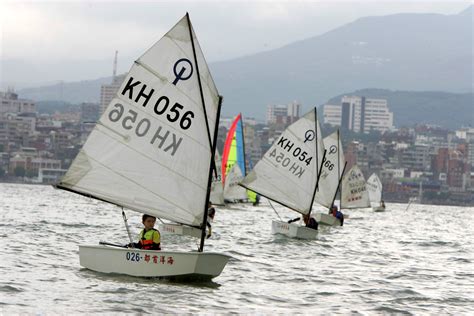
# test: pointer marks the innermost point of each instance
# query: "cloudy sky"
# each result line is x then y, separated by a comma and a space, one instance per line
57, 40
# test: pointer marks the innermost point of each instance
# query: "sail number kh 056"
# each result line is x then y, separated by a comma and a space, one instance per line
287, 159
161, 106
161, 137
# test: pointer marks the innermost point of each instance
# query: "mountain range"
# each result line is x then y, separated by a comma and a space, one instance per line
409, 52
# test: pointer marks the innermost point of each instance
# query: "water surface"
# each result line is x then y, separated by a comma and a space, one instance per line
413, 261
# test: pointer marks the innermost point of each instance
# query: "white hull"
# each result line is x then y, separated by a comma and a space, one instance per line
378, 209
326, 219
293, 230
150, 263
177, 229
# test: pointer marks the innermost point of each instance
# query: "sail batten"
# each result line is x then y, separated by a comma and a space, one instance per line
151, 148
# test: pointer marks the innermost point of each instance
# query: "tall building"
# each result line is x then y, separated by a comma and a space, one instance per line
332, 114
108, 91
359, 114
9, 103
283, 114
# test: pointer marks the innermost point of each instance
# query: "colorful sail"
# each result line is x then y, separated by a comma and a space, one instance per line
331, 171
288, 171
354, 192
234, 151
151, 149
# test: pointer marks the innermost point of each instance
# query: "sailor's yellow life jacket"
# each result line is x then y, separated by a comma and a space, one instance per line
150, 239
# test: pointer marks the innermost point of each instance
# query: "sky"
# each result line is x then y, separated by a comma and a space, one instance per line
49, 41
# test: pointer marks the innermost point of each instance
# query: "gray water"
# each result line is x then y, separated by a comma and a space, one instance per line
415, 261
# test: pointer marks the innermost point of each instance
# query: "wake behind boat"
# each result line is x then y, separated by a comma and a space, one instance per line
137, 156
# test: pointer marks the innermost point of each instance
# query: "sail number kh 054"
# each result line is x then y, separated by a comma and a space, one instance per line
287, 159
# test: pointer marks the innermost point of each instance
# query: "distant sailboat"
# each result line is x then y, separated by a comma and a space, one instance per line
288, 172
234, 165
152, 152
354, 193
232, 191
374, 186
331, 175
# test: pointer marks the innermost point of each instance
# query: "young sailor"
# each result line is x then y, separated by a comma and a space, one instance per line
211, 212
309, 221
149, 237
337, 214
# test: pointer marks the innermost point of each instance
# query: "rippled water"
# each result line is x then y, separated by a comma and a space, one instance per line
416, 261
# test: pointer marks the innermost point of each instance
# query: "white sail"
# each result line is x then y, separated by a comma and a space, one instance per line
217, 191
150, 151
288, 171
232, 190
354, 189
374, 186
331, 171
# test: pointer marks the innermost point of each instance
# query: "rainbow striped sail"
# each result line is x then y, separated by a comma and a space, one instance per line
234, 150
233, 163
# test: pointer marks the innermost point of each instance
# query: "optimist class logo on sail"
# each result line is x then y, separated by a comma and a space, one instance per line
172, 118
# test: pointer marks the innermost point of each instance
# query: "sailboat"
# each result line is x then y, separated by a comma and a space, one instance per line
288, 172
234, 165
374, 186
138, 156
216, 198
331, 176
232, 191
354, 193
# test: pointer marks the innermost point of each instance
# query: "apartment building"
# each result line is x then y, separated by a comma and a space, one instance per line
359, 114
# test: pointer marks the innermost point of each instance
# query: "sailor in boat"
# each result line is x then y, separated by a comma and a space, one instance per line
337, 214
309, 221
211, 212
149, 237
257, 200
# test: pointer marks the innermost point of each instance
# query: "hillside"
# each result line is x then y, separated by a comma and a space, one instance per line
406, 52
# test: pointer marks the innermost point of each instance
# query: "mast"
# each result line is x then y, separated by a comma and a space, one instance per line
317, 182
209, 181
339, 185
212, 144
322, 160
